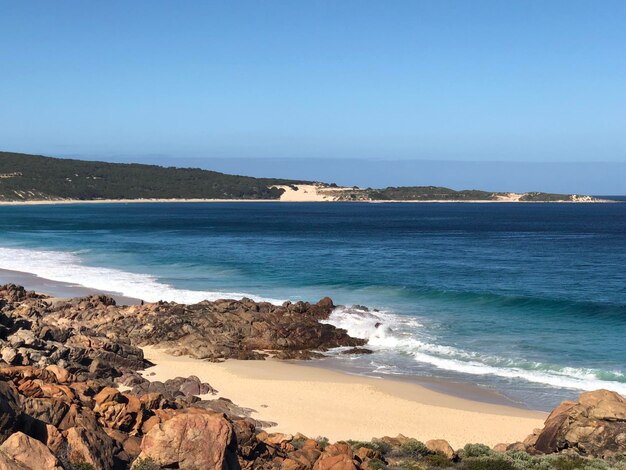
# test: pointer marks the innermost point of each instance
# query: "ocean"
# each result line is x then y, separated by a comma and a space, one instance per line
528, 300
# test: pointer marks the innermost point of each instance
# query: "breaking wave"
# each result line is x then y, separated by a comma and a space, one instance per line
68, 267
401, 334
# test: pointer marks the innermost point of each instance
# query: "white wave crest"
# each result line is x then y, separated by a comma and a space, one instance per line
67, 267
389, 332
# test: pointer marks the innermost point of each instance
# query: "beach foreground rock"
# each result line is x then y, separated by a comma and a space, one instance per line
594, 425
191, 439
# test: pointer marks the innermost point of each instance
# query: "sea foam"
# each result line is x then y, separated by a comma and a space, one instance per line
68, 267
401, 334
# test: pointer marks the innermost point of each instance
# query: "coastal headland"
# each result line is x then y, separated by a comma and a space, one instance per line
37, 179
85, 381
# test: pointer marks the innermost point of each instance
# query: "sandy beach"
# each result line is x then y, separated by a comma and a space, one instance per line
321, 402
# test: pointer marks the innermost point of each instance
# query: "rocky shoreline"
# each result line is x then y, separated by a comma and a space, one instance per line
72, 395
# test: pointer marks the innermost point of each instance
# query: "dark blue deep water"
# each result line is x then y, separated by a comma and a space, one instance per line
528, 299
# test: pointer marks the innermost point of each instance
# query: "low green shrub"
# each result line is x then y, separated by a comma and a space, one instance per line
488, 463
409, 465
379, 446
145, 464
81, 466
298, 443
415, 449
563, 462
476, 450
376, 464
322, 442
437, 461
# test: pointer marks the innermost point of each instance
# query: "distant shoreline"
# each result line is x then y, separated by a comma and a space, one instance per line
48, 202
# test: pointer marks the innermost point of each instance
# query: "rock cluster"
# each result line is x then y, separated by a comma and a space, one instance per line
237, 329
29, 338
50, 421
595, 425
62, 361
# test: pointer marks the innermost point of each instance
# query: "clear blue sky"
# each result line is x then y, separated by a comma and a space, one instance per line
427, 80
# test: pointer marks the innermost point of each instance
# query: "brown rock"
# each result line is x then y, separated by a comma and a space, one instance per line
517, 446
277, 438
62, 375
108, 394
393, 441
337, 456
500, 448
149, 423
441, 446
311, 444
594, 426
83, 392
54, 439
339, 448
30, 452
93, 447
290, 464
335, 462
307, 456
48, 410
7, 463
61, 392
326, 303
365, 453
193, 438
247, 443
152, 400
9, 407
132, 446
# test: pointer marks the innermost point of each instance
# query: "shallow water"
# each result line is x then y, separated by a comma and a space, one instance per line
529, 299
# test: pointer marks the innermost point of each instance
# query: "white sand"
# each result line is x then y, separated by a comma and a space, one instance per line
310, 193
509, 197
322, 402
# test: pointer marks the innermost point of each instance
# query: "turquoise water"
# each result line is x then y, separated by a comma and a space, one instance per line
527, 299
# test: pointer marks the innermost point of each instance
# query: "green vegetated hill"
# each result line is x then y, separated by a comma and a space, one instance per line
35, 177
435, 193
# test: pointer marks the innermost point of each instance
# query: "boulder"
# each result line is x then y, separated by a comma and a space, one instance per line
326, 304
307, 456
193, 438
90, 446
30, 452
595, 425
500, 448
337, 456
62, 375
290, 464
54, 438
9, 407
335, 462
365, 453
7, 463
9, 355
25, 338
441, 446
